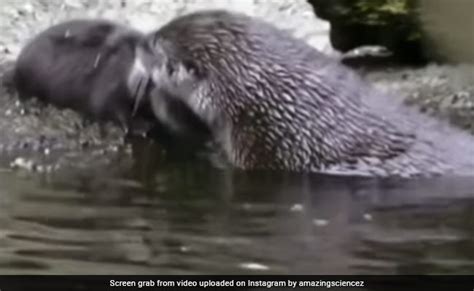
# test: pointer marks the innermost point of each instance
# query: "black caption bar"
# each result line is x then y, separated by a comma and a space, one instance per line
149, 283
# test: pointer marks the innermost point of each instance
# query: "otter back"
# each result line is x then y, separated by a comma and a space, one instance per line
274, 102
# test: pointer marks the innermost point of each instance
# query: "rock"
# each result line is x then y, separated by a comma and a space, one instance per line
388, 23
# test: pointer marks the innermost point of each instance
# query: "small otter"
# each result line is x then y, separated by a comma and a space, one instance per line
88, 66
274, 102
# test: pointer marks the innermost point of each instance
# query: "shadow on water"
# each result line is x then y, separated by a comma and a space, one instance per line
147, 213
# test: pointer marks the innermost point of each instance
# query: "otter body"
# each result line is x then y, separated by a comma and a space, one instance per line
85, 65
274, 102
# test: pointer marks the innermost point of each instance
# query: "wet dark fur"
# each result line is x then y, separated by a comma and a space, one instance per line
274, 102
83, 65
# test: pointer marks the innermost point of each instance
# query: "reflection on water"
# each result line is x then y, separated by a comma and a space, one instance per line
150, 214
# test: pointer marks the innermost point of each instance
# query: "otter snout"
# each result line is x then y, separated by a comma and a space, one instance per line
139, 79
165, 81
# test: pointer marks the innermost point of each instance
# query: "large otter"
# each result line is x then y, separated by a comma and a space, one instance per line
274, 102
85, 65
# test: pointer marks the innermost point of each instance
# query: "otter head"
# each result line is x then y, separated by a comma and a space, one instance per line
160, 81
175, 82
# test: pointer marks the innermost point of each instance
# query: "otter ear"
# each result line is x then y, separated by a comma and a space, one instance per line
175, 56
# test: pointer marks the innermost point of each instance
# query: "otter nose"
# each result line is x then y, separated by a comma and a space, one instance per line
140, 80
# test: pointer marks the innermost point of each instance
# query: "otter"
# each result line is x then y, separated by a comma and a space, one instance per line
274, 102
89, 66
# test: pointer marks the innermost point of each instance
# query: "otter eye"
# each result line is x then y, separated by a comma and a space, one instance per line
188, 65
169, 68
191, 67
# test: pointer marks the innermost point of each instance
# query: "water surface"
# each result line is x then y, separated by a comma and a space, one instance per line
149, 213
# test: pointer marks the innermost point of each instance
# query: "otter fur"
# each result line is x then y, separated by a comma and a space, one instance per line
274, 102
88, 66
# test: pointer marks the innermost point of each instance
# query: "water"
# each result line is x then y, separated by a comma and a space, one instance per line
148, 213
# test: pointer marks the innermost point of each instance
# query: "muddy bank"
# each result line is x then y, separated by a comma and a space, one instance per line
442, 91
33, 136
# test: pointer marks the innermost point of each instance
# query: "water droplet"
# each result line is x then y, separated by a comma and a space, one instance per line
254, 266
296, 208
320, 222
